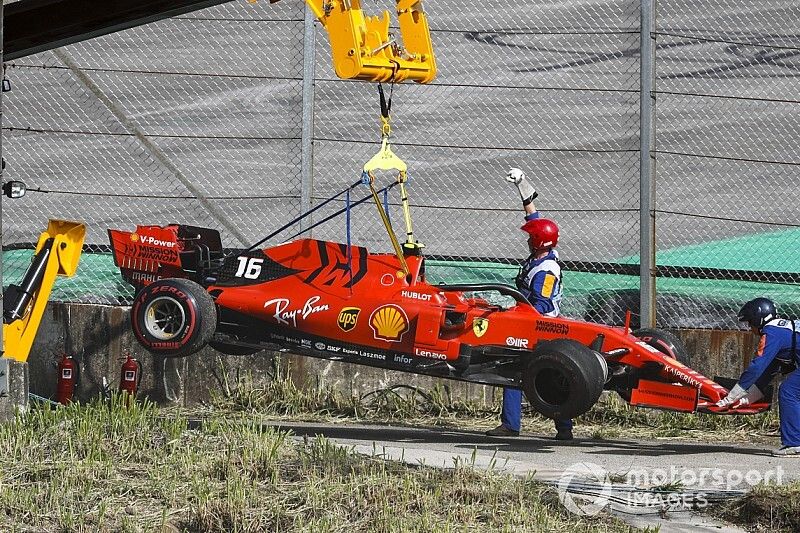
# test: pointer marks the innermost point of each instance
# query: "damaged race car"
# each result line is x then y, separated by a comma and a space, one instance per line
342, 303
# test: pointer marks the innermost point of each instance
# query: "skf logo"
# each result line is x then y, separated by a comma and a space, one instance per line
389, 323
134, 237
479, 326
348, 317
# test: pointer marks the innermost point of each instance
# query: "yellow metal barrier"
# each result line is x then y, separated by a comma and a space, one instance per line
57, 253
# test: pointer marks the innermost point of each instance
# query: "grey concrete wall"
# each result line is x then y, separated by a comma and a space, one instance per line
99, 338
718, 352
13, 388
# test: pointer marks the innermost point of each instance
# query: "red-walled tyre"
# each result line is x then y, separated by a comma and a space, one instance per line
564, 378
173, 317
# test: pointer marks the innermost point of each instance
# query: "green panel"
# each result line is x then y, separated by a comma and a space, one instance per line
756, 252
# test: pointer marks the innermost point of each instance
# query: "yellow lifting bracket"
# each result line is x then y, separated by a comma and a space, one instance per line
364, 49
386, 159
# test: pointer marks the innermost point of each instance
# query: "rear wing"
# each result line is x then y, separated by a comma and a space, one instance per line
154, 252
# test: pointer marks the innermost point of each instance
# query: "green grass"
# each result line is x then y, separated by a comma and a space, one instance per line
108, 467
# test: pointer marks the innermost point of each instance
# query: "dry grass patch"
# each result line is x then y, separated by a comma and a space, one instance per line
610, 418
106, 467
766, 508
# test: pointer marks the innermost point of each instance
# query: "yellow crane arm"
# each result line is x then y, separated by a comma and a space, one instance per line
57, 253
364, 49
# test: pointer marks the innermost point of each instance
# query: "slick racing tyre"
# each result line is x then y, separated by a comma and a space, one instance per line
665, 342
564, 378
173, 317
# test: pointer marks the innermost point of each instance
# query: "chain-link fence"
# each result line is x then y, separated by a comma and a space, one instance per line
198, 119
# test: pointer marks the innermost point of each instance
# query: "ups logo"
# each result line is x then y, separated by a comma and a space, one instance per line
348, 317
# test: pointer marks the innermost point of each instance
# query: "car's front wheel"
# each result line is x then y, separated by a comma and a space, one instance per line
173, 317
563, 378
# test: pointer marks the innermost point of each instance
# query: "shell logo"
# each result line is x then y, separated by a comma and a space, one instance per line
134, 237
389, 323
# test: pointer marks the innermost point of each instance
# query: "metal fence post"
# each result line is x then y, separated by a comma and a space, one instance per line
2, 341
307, 139
647, 184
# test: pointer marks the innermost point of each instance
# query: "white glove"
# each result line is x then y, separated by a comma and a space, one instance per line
744, 402
526, 190
752, 396
724, 403
735, 394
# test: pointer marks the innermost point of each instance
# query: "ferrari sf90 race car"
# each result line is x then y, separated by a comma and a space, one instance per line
342, 303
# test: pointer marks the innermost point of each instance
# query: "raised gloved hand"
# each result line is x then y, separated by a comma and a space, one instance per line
526, 190
735, 394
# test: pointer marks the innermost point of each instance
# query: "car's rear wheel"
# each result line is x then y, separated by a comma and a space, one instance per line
564, 378
173, 317
665, 342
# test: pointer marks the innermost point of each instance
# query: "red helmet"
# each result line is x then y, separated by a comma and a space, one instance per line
543, 233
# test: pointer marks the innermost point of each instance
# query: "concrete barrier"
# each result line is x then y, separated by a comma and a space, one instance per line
99, 338
13, 388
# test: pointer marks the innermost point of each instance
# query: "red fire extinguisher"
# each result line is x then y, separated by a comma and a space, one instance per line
67, 379
130, 377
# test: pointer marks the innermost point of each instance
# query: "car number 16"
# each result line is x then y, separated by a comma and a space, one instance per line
249, 267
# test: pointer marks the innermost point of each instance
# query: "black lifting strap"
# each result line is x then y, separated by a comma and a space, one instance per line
386, 106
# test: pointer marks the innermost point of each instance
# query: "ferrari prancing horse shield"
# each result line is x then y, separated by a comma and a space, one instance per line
479, 326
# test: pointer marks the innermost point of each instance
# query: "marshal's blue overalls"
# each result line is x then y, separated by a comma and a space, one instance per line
780, 342
540, 282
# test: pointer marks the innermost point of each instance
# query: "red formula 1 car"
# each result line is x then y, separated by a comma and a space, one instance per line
331, 301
